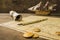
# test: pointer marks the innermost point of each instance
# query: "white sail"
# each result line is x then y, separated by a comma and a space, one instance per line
34, 8
52, 6
46, 4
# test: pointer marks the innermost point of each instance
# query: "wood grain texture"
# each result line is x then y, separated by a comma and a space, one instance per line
48, 28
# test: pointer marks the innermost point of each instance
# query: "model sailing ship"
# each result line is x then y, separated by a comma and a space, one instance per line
43, 8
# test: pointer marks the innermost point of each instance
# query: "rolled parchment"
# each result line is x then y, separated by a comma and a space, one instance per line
32, 20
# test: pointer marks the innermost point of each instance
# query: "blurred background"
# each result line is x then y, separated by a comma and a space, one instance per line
22, 5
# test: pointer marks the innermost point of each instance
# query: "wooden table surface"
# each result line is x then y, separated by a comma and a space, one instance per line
8, 34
